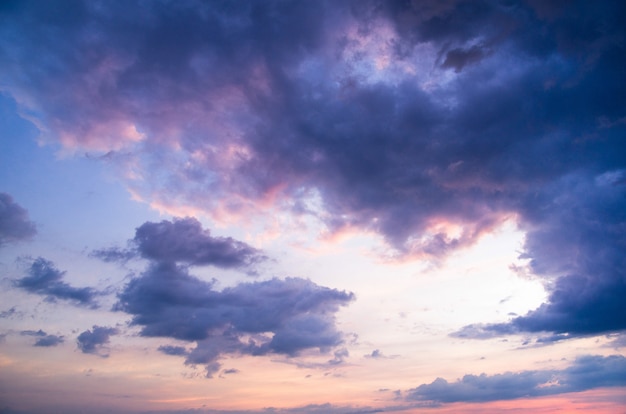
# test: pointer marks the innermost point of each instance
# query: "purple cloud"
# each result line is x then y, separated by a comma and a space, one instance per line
268, 317
184, 241
45, 279
43, 339
92, 340
577, 244
586, 373
173, 350
14, 222
9, 313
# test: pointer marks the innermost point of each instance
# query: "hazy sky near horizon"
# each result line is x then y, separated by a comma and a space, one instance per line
312, 206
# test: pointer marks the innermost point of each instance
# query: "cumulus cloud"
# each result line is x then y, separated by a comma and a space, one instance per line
45, 279
43, 339
266, 317
14, 222
184, 241
92, 341
587, 372
355, 103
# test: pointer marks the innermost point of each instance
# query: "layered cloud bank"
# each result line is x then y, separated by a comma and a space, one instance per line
585, 373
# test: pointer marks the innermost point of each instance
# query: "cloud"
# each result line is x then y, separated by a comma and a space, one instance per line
587, 372
173, 350
378, 354
617, 341
14, 222
459, 58
45, 279
230, 371
324, 408
92, 340
9, 313
576, 243
375, 354
266, 317
354, 103
43, 339
184, 241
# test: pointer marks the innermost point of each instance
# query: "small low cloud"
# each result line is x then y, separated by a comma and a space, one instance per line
93, 340
230, 371
44, 278
173, 350
15, 224
183, 241
378, 354
9, 313
43, 339
587, 372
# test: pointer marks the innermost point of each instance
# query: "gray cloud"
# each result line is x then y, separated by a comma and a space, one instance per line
587, 372
45, 279
274, 316
92, 340
14, 222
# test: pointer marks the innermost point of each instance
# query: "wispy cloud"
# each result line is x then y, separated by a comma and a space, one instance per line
44, 278
44, 339
274, 316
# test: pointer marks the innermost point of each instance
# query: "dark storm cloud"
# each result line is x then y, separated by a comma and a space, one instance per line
466, 113
92, 340
184, 241
586, 373
43, 339
45, 279
274, 316
14, 222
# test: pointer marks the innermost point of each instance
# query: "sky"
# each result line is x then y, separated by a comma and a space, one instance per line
312, 207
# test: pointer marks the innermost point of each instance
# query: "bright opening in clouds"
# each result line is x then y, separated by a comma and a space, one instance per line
312, 206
